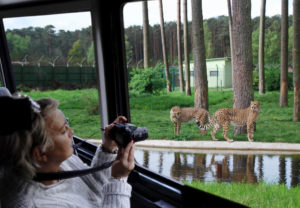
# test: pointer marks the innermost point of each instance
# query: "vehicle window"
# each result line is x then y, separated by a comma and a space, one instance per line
53, 56
151, 100
1, 75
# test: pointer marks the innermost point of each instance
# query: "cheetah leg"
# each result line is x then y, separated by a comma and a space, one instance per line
178, 125
175, 128
214, 131
250, 132
202, 132
226, 127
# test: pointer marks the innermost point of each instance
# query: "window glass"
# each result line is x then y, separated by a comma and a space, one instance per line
53, 56
213, 73
150, 101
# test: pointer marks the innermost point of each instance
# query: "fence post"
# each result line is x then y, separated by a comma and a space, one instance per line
38, 76
221, 85
38, 70
22, 75
52, 76
217, 78
67, 75
81, 76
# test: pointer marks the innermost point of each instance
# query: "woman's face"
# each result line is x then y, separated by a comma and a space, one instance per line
61, 135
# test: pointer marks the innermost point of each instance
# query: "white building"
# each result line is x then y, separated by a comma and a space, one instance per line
219, 72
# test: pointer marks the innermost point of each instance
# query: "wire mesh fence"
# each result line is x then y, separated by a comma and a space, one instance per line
55, 77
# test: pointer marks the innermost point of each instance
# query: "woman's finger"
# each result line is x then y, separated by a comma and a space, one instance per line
108, 127
120, 119
120, 154
131, 154
127, 149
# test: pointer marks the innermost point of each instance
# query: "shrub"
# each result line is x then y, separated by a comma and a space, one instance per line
147, 81
272, 78
255, 79
23, 87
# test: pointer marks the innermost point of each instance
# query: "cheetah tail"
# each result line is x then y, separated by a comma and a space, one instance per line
207, 126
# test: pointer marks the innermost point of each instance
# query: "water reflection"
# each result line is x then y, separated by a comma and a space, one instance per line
222, 167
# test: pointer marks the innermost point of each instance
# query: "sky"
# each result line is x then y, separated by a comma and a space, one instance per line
133, 14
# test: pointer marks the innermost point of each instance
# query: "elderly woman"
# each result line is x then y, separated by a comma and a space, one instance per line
47, 147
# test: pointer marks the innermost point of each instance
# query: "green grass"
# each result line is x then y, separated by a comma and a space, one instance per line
274, 123
260, 195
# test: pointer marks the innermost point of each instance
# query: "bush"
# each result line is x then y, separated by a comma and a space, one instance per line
272, 78
24, 88
147, 81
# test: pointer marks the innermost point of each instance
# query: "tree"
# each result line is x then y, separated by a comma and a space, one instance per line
91, 55
272, 43
207, 40
128, 49
65, 40
284, 54
230, 27
86, 37
261, 48
242, 57
135, 39
201, 84
181, 83
77, 53
296, 59
18, 45
163, 40
146, 34
290, 45
219, 36
186, 50
49, 33
255, 46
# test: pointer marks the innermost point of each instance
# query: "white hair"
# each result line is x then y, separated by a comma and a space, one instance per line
16, 149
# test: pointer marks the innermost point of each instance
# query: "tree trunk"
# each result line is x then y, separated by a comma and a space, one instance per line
181, 83
146, 34
230, 27
261, 48
284, 54
282, 170
163, 41
296, 59
230, 32
186, 50
242, 60
201, 85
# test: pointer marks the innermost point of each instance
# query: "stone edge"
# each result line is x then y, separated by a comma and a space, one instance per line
214, 145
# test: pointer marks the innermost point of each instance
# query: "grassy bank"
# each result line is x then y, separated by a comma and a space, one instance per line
253, 195
274, 123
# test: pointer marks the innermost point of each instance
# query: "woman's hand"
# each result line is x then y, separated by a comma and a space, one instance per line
108, 144
124, 162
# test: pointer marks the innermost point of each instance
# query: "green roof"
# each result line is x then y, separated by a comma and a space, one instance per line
219, 59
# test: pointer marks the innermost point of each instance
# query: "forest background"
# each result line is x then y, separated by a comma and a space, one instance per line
47, 46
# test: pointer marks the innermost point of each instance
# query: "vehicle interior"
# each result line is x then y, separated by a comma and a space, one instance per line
150, 189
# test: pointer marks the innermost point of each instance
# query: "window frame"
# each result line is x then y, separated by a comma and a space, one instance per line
213, 73
149, 188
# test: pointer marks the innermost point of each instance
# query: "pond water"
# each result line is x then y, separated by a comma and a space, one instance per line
223, 166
